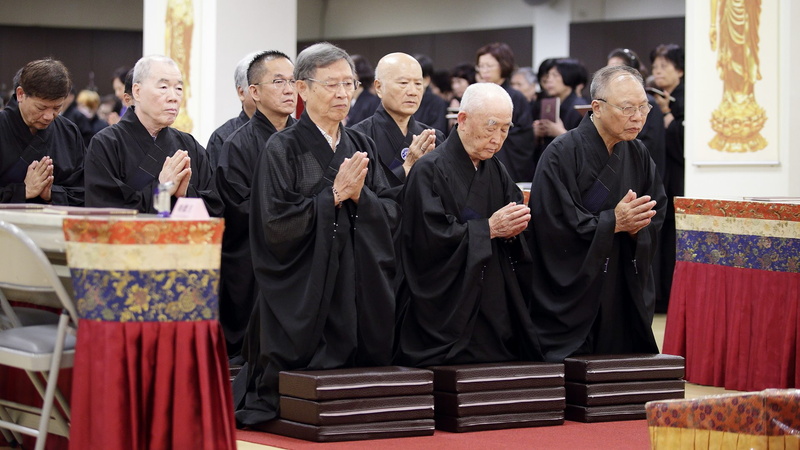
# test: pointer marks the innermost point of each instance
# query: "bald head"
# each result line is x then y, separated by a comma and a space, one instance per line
484, 120
398, 82
394, 62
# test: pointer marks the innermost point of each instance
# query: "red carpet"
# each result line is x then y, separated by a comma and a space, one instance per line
570, 436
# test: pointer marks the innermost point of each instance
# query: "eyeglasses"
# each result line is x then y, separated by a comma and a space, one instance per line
333, 86
277, 83
628, 111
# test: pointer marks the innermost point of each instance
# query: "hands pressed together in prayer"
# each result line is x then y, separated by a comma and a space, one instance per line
177, 169
633, 213
421, 144
39, 179
509, 221
350, 179
544, 127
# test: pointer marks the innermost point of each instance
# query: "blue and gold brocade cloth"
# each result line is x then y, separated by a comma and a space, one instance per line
141, 270
748, 235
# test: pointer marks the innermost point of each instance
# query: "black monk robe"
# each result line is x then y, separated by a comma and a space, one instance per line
464, 298
218, 137
391, 143
324, 273
234, 179
123, 163
518, 152
593, 288
61, 141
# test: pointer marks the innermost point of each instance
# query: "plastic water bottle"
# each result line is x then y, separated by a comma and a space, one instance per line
161, 198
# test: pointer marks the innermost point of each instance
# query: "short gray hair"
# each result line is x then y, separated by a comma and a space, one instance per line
142, 68
240, 74
322, 54
603, 77
478, 94
528, 73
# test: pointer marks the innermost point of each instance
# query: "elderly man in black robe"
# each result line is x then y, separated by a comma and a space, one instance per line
42, 153
597, 205
465, 297
218, 137
321, 227
127, 161
400, 139
272, 86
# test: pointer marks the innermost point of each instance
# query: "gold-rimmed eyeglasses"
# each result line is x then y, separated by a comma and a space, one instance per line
628, 111
277, 83
333, 86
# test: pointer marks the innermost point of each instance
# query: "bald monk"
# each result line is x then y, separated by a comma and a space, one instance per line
400, 139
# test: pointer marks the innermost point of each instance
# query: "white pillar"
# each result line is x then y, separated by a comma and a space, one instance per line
216, 34
551, 31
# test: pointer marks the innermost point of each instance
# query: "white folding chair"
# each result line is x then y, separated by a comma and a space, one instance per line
40, 350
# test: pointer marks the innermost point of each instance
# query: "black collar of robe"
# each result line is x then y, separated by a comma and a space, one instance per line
477, 200
154, 151
392, 156
466, 169
22, 133
391, 143
595, 143
311, 136
61, 140
263, 122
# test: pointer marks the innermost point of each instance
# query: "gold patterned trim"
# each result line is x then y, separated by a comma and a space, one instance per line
737, 225
83, 255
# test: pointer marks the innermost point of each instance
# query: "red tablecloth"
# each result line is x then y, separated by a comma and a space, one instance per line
151, 369
734, 312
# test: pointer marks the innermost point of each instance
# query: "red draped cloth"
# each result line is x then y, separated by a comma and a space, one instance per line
16, 386
151, 369
151, 386
734, 312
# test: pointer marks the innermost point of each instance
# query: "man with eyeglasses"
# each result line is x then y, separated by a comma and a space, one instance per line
126, 162
400, 139
321, 222
465, 295
597, 205
217, 138
272, 87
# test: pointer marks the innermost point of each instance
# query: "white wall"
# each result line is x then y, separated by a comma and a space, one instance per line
242, 27
593, 10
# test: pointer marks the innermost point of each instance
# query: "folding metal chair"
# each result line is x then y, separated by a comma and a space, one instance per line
40, 350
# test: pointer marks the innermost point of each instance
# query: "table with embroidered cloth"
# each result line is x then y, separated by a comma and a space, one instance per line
151, 367
769, 419
734, 312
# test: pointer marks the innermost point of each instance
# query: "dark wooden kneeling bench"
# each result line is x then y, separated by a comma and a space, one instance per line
492, 396
354, 404
605, 388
